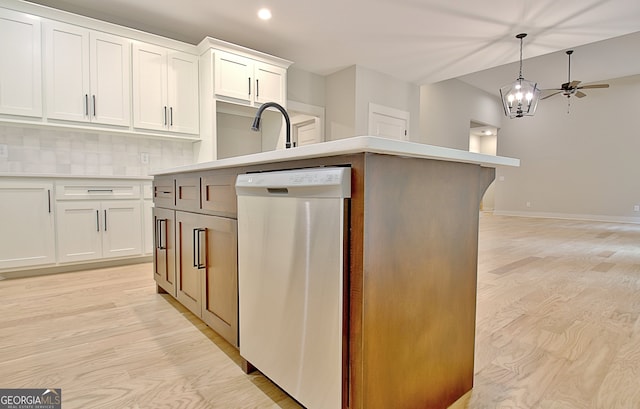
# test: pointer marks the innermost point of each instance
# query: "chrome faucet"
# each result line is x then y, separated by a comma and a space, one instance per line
256, 121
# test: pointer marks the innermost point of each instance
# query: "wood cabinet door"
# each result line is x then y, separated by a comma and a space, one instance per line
26, 216
220, 289
188, 275
20, 70
164, 251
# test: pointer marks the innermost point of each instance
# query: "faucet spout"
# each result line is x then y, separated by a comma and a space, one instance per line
256, 121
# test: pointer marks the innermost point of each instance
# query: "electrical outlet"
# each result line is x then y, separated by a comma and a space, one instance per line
4, 151
636, 208
144, 158
528, 204
501, 178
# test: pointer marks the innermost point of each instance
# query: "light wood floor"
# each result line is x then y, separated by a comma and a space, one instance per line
557, 327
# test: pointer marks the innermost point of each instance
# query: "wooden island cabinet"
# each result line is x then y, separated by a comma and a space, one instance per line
410, 290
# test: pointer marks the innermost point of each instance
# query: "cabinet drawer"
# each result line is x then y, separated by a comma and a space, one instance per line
188, 192
219, 193
79, 190
164, 193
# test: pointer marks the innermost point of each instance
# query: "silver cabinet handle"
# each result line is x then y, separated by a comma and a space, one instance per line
165, 116
86, 104
49, 199
105, 220
97, 220
249, 85
257, 88
170, 116
94, 105
100, 190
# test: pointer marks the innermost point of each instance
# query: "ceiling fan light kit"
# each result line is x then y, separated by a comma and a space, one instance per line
521, 97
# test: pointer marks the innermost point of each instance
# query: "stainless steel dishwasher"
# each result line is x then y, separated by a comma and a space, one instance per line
291, 238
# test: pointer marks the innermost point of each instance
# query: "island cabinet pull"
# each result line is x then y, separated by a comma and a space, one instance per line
97, 220
197, 244
160, 234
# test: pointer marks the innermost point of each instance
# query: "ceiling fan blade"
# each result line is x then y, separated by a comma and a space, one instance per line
550, 95
580, 94
574, 84
594, 86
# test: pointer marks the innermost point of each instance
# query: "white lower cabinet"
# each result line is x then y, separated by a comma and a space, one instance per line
89, 230
26, 216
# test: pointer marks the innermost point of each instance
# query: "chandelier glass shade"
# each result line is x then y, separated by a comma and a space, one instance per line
521, 97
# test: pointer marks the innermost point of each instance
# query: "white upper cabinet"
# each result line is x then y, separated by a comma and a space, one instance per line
165, 89
87, 75
248, 81
20, 64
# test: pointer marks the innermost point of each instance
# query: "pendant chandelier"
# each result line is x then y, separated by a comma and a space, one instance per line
520, 98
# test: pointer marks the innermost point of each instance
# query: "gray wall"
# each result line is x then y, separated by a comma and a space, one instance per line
348, 93
584, 164
448, 107
382, 89
306, 87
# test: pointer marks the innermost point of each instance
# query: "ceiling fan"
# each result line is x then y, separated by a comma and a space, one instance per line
570, 88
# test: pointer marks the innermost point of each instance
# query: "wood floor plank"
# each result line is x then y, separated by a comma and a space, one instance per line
558, 327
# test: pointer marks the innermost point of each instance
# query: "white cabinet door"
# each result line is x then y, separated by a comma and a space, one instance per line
67, 69
110, 66
20, 65
233, 76
165, 90
79, 228
122, 228
89, 230
183, 93
150, 109
87, 75
27, 232
147, 225
271, 83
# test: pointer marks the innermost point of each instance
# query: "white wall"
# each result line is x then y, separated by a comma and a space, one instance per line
447, 108
53, 151
584, 164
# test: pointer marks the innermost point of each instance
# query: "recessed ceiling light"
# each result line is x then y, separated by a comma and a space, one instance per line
264, 14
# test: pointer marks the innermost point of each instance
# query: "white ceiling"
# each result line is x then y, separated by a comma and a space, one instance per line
421, 41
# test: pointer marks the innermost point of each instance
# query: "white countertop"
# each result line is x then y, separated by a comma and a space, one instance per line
356, 144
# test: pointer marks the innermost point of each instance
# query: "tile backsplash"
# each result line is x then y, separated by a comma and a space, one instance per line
69, 152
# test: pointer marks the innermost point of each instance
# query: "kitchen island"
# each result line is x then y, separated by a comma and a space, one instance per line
410, 261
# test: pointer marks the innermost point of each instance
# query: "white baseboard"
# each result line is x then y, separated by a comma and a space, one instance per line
570, 216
